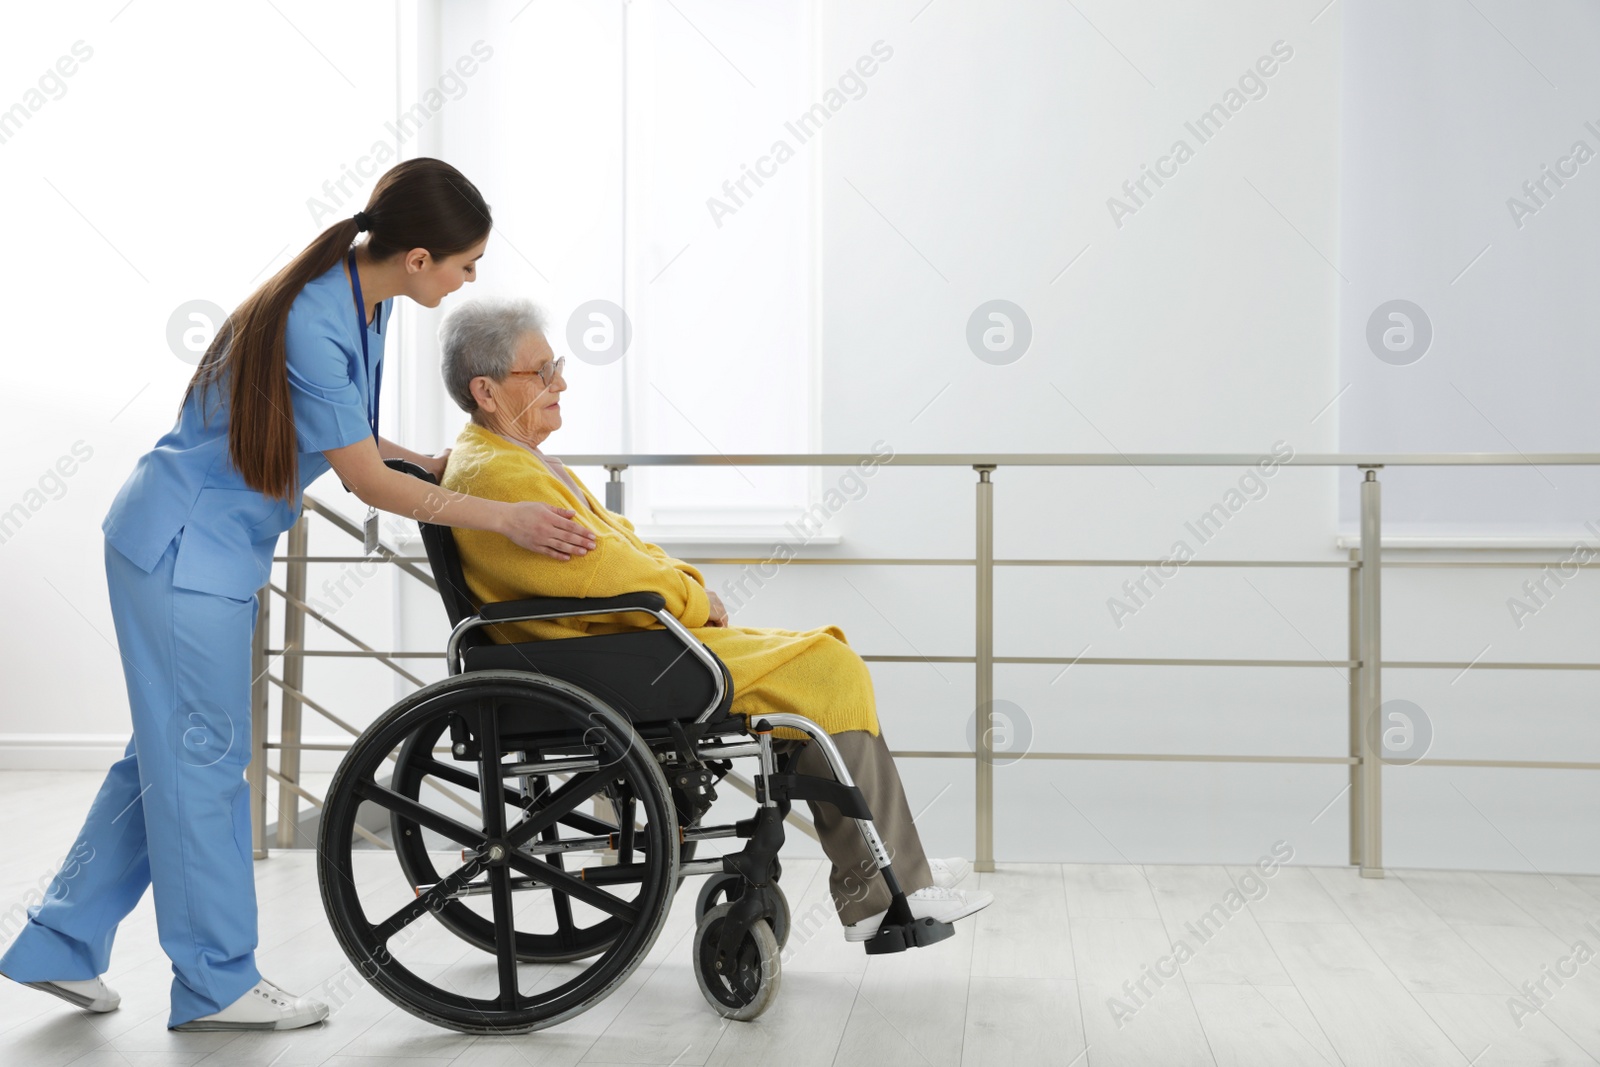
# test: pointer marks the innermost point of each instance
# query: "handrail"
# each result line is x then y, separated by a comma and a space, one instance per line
349, 529
1364, 661
1080, 459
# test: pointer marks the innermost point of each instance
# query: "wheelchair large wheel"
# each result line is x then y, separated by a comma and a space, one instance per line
503, 855
417, 766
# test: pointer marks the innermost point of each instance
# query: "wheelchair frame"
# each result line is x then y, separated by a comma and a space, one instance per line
736, 952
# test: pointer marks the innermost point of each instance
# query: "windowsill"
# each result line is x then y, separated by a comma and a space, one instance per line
1465, 543
733, 536
761, 537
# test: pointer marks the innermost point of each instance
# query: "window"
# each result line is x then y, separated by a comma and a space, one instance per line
631, 154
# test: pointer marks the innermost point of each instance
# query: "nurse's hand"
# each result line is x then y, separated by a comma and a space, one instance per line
548, 530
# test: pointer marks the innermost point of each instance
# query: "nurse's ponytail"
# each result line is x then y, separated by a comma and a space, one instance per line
420, 203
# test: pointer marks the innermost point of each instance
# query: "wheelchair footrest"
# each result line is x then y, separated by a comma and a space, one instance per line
915, 933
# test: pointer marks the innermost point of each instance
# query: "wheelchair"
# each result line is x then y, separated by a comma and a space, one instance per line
512, 746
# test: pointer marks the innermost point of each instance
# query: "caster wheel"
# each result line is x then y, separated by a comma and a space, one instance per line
722, 889
717, 889
778, 919
750, 985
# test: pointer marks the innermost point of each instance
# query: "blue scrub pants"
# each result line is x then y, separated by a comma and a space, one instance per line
173, 812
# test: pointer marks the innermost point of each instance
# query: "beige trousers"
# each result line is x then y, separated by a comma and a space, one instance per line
857, 888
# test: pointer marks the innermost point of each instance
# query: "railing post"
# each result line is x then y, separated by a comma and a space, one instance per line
1355, 707
256, 773
615, 487
1371, 678
984, 728
615, 500
294, 636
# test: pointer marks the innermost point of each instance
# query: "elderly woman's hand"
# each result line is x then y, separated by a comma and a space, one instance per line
719, 614
548, 530
435, 465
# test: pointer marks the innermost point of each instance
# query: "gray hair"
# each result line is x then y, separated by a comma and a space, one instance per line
480, 337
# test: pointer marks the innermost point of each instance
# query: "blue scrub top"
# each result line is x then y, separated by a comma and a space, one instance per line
188, 481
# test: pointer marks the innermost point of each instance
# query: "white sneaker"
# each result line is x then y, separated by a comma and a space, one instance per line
91, 994
948, 873
934, 902
266, 1007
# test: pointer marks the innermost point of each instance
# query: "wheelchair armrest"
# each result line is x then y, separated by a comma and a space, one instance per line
545, 606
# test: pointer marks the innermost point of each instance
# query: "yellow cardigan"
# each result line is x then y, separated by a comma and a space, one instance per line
814, 673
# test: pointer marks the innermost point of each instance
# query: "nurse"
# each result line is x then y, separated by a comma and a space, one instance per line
288, 389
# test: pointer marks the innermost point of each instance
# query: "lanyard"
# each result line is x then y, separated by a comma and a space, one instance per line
369, 528
361, 328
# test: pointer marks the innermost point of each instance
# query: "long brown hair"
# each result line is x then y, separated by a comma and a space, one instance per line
420, 203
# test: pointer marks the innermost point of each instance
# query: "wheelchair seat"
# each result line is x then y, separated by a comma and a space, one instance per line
643, 674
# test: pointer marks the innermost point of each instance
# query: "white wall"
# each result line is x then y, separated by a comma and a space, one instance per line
977, 166
1459, 127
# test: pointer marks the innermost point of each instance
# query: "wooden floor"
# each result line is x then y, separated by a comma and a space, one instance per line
1071, 965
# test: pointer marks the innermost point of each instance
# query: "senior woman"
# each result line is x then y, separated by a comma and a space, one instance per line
499, 368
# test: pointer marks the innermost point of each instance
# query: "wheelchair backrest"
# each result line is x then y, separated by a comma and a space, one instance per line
440, 543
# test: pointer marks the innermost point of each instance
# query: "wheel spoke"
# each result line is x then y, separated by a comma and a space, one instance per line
457, 776
625, 836
454, 775
558, 879
430, 899
576, 790
566, 934
589, 824
566, 928
494, 824
404, 806
505, 936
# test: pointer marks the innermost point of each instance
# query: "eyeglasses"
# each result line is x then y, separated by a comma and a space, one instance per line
546, 373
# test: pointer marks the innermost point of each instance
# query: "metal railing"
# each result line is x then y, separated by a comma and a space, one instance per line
1364, 661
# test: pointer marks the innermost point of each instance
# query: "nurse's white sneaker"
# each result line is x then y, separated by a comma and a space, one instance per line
948, 873
91, 994
933, 902
266, 1007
